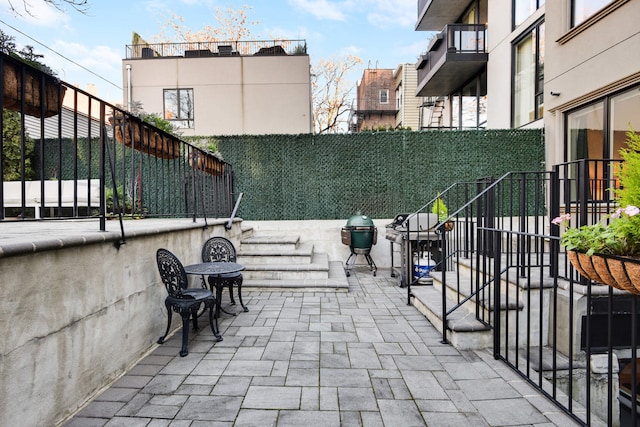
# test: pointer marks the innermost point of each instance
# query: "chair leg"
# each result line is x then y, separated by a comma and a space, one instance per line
169, 315
239, 285
230, 286
213, 322
185, 333
194, 316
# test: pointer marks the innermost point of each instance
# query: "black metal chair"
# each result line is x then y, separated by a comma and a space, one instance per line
184, 301
220, 249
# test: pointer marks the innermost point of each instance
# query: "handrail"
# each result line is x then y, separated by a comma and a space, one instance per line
75, 139
233, 214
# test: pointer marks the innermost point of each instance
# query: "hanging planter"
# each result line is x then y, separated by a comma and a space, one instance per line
207, 163
618, 272
148, 141
36, 84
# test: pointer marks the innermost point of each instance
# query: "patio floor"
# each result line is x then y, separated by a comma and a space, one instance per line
356, 358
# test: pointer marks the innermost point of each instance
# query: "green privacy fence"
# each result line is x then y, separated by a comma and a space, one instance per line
290, 177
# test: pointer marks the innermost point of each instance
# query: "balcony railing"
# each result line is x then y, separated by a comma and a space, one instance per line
217, 48
67, 154
454, 55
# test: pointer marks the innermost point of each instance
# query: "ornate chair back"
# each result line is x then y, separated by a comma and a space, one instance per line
172, 273
218, 249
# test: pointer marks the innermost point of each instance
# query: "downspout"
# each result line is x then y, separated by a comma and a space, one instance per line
128, 66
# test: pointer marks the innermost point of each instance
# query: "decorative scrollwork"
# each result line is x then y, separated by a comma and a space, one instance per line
218, 249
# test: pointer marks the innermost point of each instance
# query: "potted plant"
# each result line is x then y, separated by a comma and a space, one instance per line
609, 251
43, 91
128, 131
440, 208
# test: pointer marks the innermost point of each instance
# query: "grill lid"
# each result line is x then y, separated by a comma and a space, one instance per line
359, 221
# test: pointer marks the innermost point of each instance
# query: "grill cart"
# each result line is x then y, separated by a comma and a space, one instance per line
360, 234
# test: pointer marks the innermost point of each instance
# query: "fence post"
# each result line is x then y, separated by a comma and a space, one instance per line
496, 293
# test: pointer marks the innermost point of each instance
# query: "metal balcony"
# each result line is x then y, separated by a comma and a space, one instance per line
435, 14
454, 56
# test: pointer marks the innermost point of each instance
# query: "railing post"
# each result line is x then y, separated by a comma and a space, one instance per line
554, 210
496, 293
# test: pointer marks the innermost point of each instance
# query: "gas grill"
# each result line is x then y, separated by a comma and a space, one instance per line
415, 234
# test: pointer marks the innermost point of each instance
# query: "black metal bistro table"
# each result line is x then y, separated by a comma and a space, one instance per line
214, 269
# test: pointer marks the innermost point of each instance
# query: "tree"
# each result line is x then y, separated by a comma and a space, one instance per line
11, 149
79, 5
330, 91
233, 24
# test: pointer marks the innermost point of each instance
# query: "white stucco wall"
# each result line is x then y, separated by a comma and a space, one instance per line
78, 317
237, 95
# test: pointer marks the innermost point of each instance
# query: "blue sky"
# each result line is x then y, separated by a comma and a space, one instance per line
380, 32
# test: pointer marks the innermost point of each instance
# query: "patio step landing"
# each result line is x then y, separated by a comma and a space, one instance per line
274, 260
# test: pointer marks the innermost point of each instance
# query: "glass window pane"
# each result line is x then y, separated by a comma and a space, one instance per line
539, 101
455, 111
583, 9
524, 82
586, 141
171, 104
585, 133
178, 107
523, 10
625, 114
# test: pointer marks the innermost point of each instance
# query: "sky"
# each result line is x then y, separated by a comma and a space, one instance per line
88, 48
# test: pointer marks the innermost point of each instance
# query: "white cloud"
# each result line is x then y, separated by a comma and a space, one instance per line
322, 9
386, 14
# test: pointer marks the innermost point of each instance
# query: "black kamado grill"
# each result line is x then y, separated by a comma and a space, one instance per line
360, 235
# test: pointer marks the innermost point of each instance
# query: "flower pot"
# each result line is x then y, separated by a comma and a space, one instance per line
626, 271
448, 226
603, 266
35, 82
148, 142
207, 163
618, 272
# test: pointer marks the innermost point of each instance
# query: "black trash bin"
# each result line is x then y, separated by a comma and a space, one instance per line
360, 234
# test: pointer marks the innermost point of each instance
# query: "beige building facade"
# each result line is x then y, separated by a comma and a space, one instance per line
241, 88
407, 103
568, 66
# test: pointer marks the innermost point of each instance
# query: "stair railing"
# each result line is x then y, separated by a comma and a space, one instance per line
515, 201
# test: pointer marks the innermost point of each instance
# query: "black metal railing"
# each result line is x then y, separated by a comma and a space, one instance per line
572, 339
216, 48
67, 154
454, 38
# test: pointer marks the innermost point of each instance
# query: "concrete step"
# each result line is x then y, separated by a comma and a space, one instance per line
269, 242
335, 280
464, 332
266, 254
318, 269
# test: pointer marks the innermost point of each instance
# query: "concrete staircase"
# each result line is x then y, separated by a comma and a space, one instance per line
276, 260
464, 331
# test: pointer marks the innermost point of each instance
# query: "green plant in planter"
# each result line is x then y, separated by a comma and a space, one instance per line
440, 208
159, 122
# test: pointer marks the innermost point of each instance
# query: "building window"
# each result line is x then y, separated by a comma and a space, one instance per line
583, 9
178, 107
598, 131
528, 82
522, 9
384, 96
586, 126
469, 105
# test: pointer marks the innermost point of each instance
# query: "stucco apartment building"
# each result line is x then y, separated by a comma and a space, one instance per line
223, 88
568, 66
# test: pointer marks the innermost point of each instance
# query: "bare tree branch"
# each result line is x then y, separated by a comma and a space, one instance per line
81, 6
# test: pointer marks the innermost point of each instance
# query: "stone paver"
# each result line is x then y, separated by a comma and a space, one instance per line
356, 358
